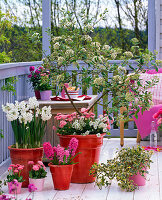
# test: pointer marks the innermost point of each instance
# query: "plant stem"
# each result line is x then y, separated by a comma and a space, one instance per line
72, 102
17, 146
103, 94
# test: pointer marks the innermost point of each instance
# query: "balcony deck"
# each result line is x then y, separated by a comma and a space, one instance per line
151, 191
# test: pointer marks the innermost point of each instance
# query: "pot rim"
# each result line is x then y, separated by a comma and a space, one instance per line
37, 178
31, 149
82, 136
50, 164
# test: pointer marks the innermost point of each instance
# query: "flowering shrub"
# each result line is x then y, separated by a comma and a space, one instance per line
158, 116
60, 156
94, 67
38, 170
86, 124
127, 163
28, 122
15, 173
39, 78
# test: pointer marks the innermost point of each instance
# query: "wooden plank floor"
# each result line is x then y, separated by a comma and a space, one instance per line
151, 191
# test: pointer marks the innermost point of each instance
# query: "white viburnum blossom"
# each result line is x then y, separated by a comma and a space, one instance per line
128, 54
96, 44
99, 81
87, 38
106, 47
33, 103
60, 60
69, 52
122, 69
54, 39
56, 45
114, 55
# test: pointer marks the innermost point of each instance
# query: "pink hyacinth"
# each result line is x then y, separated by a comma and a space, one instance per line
60, 153
31, 68
31, 188
66, 154
73, 145
48, 150
62, 123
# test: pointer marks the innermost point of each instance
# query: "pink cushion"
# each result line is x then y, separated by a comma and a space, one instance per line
153, 71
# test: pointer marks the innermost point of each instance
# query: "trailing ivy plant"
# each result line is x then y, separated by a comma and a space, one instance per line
128, 162
9, 85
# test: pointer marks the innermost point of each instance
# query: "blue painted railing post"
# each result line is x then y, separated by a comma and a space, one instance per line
46, 25
151, 25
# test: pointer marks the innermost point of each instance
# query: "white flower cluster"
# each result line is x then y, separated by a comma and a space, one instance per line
99, 123
56, 45
96, 44
54, 39
87, 38
69, 52
99, 81
23, 111
60, 60
122, 69
128, 54
98, 59
106, 47
77, 125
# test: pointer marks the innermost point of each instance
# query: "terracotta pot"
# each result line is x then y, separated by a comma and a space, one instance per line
22, 156
138, 179
45, 95
61, 175
39, 183
90, 147
14, 189
37, 94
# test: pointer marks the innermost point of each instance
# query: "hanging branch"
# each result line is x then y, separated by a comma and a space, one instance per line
97, 101
72, 101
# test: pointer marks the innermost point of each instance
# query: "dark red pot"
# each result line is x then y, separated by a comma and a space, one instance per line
37, 94
61, 175
22, 156
90, 147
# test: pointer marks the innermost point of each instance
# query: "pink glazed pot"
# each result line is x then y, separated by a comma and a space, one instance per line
45, 95
138, 179
14, 189
38, 183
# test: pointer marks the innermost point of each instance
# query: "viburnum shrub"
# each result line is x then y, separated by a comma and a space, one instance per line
93, 67
158, 117
28, 122
86, 124
128, 162
38, 170
59, 155
15, 173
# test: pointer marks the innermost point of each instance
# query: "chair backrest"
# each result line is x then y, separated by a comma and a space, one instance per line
156, 90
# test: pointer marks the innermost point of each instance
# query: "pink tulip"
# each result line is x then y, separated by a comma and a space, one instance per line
16, 171
10, 168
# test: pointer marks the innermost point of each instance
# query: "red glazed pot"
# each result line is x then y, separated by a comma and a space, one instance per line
61, 175
37, 94
22, 156
90, 147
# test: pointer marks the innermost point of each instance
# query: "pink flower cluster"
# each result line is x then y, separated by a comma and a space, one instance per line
73, 145
60, 155
158, 116
15, 169
48, 150
37, 166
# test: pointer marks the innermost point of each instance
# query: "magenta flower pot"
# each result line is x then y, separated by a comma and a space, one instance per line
45, 95
14, 188
38, 183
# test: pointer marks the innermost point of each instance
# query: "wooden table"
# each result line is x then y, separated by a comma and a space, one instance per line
64, 107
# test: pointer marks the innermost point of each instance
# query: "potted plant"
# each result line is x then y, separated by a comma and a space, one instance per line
61, 163
129, 168
14, 178
37, 174
34, 78
28, 124
89, 131
45, 86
